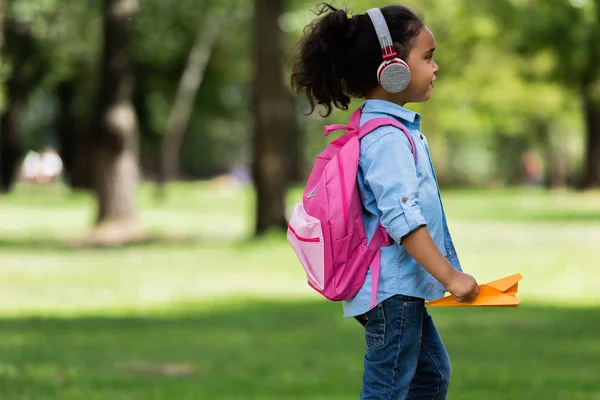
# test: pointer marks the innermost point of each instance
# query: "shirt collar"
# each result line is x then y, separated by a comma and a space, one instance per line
387, 107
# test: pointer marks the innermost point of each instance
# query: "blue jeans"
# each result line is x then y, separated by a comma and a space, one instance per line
406, 358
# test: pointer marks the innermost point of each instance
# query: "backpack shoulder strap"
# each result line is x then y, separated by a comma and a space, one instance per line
353, 128
375, 123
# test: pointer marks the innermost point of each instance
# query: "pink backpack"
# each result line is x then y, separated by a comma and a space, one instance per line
327, 230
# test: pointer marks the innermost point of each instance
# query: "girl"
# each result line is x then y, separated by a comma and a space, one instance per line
340, 57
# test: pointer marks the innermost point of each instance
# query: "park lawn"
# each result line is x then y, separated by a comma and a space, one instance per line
204, 312
288, 350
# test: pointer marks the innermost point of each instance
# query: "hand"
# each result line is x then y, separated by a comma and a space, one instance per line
463, 287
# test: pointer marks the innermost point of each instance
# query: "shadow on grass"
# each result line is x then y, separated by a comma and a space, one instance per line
60, 244
303, 350
44, 243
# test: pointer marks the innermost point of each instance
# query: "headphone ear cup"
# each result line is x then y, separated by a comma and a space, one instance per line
394, 75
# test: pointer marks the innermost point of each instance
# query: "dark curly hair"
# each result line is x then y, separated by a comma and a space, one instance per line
338, 55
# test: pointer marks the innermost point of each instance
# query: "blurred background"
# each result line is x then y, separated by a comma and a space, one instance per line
150, 152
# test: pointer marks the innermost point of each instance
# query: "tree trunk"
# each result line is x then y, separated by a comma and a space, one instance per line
591, 112
295, 149
7, 137
184, 99
114, 126
18, 89
74, 143
26, 72
2, 16
272, 112
81, 172
10, 144
148, 136
65, 128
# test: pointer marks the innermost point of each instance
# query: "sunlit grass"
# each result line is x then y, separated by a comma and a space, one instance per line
210, 253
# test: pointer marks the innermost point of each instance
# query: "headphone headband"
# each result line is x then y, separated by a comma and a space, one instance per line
393, 74
383, 33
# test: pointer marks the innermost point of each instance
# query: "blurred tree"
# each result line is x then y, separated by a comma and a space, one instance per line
217, 136
28, 68
189, 83
491, 105
570, 31
2, 17
114, 125
48, 43
73, 142
66, 131
485, 92
73, 36
272, 110
295, 143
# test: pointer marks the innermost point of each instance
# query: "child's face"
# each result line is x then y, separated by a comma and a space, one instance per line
422, 68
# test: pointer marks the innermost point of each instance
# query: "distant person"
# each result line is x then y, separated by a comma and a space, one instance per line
339, 59
533, 169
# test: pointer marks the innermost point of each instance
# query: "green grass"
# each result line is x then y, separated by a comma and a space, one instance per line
213, 314
288, 350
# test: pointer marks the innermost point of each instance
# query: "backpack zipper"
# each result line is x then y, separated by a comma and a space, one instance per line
303, 239
344, 199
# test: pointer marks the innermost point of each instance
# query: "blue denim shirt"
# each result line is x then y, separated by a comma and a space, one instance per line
401, 194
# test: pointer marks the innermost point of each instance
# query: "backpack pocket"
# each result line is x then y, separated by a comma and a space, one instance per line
305, 234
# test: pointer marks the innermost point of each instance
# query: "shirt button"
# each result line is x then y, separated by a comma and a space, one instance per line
421, 136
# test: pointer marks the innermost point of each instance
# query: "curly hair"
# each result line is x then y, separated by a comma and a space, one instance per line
338, 55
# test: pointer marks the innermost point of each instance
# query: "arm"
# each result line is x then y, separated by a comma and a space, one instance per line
390, 172
421, 247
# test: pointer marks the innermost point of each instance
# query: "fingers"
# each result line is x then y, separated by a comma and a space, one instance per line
469, 296
465, 298
473, 293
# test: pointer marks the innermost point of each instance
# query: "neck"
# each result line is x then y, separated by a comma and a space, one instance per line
380, 94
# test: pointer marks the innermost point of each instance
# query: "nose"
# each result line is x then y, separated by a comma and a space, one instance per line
436, 67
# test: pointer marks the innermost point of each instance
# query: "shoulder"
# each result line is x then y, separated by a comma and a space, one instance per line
385, 137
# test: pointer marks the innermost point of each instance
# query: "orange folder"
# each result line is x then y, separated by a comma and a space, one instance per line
499, 293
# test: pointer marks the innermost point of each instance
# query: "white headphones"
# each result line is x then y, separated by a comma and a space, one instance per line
393, 74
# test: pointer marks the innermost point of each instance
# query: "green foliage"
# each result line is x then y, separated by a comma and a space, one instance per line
55, 41
66, 33
506, 67
484, 89
570, 29
162, 47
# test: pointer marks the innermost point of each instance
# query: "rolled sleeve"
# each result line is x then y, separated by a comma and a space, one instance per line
389, 171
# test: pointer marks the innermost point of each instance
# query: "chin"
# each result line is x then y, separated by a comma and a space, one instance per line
426, 96
421, 99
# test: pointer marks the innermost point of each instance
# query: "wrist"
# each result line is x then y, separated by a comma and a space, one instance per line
448, 276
